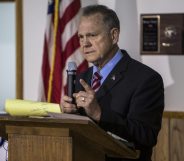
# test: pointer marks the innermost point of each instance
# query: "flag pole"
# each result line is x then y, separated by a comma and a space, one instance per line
56, 7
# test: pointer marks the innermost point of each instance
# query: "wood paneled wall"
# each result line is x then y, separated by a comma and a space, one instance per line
170, 146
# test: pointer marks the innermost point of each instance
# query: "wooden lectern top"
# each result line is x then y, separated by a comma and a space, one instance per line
66, 125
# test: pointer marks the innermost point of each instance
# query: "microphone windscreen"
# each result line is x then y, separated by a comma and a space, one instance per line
72, 66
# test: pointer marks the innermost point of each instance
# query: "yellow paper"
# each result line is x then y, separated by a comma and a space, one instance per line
18, 107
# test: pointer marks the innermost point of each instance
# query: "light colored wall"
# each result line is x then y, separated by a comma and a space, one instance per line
170, 67
7, 52
34, 22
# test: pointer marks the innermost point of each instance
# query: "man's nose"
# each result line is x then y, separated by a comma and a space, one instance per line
86, 42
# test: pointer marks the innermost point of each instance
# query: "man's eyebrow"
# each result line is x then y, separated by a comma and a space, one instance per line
89, 33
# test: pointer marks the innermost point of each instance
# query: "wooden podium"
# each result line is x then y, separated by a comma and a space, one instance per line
63, 138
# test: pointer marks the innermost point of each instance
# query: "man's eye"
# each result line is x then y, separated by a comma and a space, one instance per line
93, 35
80, 37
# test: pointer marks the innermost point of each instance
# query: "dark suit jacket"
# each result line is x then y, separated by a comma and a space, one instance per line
132, 102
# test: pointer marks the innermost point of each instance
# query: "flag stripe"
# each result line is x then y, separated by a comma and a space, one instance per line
45, 70
69, 31
65, 44
71, 46
65, 29
69, 13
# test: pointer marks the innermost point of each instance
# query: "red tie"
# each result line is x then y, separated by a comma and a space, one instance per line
96, 81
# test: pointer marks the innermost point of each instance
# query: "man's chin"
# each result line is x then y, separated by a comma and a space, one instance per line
92, 61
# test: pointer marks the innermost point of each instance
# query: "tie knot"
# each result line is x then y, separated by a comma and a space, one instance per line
96, 81
96, 75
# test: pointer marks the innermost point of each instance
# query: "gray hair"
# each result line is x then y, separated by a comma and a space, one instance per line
110, 18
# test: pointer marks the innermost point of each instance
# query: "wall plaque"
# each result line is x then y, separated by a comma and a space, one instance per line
150, 34
162, 34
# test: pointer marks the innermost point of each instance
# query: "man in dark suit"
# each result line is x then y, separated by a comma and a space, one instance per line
130, 99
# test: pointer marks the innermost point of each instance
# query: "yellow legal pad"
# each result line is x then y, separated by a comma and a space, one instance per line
18, 107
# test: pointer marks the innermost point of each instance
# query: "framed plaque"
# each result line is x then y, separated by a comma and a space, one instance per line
150, 31
162, 34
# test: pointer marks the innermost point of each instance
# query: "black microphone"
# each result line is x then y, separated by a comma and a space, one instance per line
71, 76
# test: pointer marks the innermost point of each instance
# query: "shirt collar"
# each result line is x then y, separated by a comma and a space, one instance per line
104, 72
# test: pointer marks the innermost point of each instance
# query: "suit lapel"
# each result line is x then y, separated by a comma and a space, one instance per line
115, 76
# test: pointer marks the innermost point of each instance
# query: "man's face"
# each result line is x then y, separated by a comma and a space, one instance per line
95, 40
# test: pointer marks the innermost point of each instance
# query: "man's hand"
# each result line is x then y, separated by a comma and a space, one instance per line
67, 106
87, 100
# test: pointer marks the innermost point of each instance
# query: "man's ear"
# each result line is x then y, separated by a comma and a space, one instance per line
115, 35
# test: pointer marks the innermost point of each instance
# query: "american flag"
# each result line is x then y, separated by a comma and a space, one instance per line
61, 46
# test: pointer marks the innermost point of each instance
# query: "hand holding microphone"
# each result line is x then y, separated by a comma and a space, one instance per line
71, 78
86, 103
68, 102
